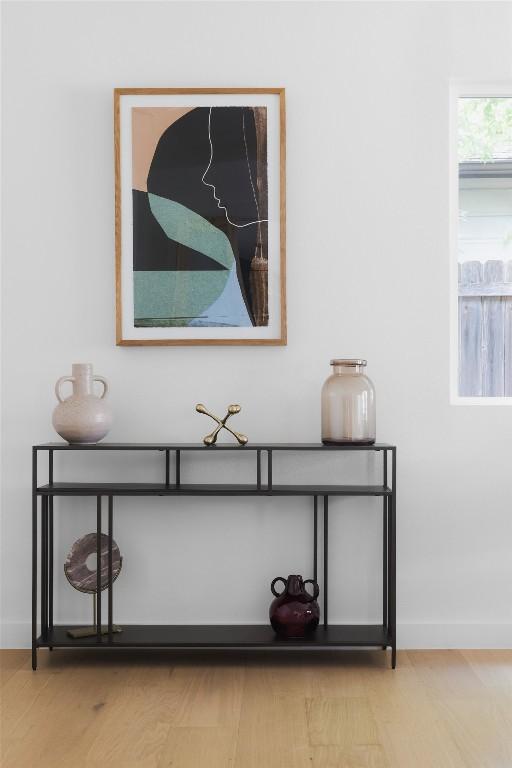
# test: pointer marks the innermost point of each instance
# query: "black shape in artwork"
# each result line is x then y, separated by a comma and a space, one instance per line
153, 250
182, 158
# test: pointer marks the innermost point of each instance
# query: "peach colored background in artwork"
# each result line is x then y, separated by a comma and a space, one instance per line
148, 124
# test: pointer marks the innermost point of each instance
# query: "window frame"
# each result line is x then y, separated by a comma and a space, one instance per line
460, 89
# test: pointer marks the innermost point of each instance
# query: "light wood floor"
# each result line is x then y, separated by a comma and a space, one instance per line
438, 709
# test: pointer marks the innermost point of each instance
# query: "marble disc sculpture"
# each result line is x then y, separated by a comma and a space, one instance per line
78, 573
82, 578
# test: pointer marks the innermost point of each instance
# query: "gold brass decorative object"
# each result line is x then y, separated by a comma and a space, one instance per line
211, 439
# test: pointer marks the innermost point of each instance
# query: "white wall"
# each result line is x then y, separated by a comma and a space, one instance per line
367, 128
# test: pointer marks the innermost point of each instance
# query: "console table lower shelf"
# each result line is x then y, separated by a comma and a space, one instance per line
220, 636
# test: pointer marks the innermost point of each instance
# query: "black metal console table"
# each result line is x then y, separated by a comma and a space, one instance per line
209, 636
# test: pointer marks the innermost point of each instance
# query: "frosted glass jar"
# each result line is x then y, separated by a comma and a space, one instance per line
348, 404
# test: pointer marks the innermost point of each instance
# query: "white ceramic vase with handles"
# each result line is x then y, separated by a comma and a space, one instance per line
83, 417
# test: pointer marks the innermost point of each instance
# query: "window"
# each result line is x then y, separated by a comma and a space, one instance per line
482, 258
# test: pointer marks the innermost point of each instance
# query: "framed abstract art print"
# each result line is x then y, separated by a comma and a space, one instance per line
200, 216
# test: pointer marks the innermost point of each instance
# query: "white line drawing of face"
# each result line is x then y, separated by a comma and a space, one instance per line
207, 184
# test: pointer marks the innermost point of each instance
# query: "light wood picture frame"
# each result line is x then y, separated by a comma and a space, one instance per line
200, 216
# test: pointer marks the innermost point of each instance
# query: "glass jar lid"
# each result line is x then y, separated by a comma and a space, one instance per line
348, 362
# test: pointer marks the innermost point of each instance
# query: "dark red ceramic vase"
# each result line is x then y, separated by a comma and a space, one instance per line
295, 612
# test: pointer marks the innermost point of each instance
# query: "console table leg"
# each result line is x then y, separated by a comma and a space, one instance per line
98, 569
385, 547
34, 560
50, 547
392, 558
385, 566
315, 538
326, 553
110, 579
50, 566
44, 568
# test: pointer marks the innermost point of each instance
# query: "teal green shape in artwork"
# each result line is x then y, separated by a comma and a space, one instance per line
176, 295
189, 228
183, 297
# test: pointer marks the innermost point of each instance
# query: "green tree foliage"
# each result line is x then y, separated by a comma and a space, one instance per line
485, 129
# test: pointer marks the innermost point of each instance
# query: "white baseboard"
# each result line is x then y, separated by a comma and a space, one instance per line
15, 635
410, 636
423, 635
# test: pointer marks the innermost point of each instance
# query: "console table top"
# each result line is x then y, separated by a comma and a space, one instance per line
62, 446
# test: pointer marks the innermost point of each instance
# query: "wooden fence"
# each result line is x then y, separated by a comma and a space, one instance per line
485, 329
